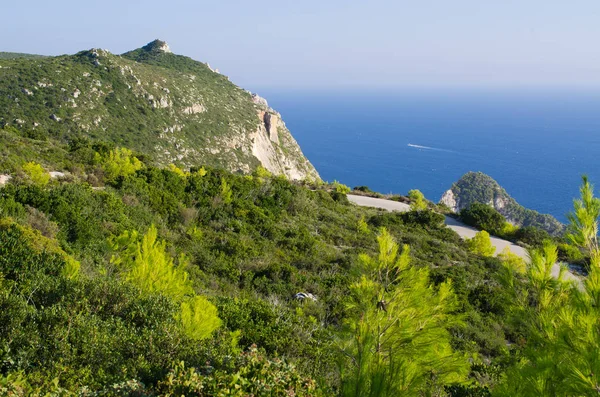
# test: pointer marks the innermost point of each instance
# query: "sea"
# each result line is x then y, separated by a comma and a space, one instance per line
536, 143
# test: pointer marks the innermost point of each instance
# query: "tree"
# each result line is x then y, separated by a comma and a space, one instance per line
559, 319
583, 227
147, 265
481, 244
484, 217
120, 162
396, 342
36, 173
417, 200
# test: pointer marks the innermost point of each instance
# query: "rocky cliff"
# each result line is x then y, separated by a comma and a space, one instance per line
170, 107
481, 188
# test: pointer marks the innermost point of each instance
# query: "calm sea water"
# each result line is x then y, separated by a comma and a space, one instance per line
535, 144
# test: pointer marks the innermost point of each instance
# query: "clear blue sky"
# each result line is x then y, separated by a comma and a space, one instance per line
334, 43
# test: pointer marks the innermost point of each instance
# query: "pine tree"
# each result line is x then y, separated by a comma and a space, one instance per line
147, 265
417, 200
395, 342
560, 320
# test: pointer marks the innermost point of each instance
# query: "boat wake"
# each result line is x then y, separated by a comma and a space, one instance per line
429, 148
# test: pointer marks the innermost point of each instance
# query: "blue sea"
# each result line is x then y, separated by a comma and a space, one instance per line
536, 144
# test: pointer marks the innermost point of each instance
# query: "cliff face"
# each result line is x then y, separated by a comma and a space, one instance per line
150, 100
481, 188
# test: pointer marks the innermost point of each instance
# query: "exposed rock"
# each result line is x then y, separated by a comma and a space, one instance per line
257, 99
56, 174
55, 118
194, 109
76, 93
157, 45
271, 123
449, 200
19, 121
26, 91
4, 178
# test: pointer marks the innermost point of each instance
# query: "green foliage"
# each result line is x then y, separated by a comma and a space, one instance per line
149, 267
559, 319
362, 226
36, 173
120, 162
583, 228
142, 100
532, 236
251, 256
477, 187
417, 200
198, 317
253, 375
483, 217
395, 342
481, 244
226, 192
340, 188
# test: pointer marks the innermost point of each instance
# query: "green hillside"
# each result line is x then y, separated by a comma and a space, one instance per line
126, 272
14, 55
170, 107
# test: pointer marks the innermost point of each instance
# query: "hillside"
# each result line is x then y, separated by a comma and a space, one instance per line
169, 107
477, 187
14, 55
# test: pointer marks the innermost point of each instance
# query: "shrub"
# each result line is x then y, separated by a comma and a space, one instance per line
417, 200
483, 217
120, 162
481, 244
532, 235
36, 173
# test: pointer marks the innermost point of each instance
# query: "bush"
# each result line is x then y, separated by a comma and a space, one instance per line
481, 244
36, 173
483, 217
532, 235
417, 200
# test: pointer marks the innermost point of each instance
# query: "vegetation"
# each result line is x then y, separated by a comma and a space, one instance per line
417, 200
168, 107
130, 278
476, 187
481, 244
484, 217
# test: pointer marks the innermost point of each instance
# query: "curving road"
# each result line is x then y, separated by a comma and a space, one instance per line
460, 228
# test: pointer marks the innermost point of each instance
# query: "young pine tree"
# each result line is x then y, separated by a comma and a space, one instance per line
560, 321
147, 265
395, 342
417, 200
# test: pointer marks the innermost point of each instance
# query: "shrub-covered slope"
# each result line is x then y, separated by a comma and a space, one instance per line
79, 314
168, 106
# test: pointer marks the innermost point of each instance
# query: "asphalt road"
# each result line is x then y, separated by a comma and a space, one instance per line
460, 228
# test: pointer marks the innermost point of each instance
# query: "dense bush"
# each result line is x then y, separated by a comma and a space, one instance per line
483, 217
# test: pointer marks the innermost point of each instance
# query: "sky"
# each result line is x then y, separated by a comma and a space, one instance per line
326, 44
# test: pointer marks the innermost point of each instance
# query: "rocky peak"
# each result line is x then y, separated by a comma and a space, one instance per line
157, 45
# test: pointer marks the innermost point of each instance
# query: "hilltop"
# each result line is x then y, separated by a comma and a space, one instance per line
477, 187
169, 107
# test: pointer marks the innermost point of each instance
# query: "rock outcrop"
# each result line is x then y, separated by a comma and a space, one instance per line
481, 188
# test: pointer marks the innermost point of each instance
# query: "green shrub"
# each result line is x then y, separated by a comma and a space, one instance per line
483, 217
36, 173
481, 244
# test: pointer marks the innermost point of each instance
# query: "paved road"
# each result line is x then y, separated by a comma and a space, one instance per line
460, 228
